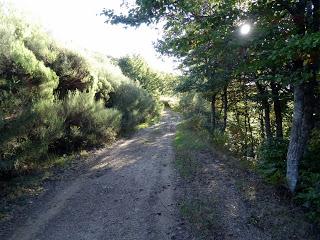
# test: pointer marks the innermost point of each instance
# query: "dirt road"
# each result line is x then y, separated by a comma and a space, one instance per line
125, 192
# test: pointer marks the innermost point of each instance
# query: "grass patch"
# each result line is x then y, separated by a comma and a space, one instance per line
197, 209
60, 161
202, 215
187, 139
187, 143
186, 164
149, 122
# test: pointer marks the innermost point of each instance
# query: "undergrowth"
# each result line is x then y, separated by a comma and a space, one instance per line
186, 143
199, 212
200, 209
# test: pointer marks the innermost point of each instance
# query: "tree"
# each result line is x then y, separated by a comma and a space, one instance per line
138, 70
282, 51
302, 56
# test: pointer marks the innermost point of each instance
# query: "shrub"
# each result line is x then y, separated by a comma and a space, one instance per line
196, 122
170, 102
27, 138
309, 194
105, 69
73, 71
136, 105
272, 160
29, 123
41, 44
219, 138
103, 87
88, 123
272, 165
53, 100
192, 103
309, 182
311, 159
138, 70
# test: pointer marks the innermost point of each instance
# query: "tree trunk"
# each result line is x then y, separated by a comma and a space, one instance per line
295, 149
251, 153
225, 107
267, 121
213, 112
277, 109
261, 124
266, 108
302, 123
246, 135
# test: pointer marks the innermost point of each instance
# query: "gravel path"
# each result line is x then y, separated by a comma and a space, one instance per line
126, 192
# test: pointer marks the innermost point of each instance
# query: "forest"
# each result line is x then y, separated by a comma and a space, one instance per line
256, 94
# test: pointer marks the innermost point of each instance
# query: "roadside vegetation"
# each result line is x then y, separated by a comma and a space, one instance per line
57, 103
213, 180
251, 79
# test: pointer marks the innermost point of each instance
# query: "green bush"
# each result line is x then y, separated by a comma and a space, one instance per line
311, 159
53, 100
309, 194
192, 103
103, 87
272, 160
138, 70
87, 122
272, 165
73, 71
170, 102
136, 105
309, 181
196, 122
105, 70
28, 109
27, 138
41, 44
219, 138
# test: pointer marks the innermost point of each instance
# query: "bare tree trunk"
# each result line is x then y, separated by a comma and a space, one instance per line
213, 112
246, 135
301, 127
225, 108
251, 154
295, 149
277, 110
266, 107
261, 124
303, 99
302, 12
267, 121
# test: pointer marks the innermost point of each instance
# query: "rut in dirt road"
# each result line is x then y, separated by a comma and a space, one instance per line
128, 193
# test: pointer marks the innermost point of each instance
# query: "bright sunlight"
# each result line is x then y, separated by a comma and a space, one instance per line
78, 24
